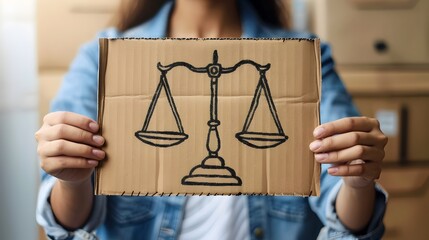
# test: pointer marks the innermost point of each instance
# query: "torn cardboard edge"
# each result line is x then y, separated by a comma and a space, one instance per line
104, 55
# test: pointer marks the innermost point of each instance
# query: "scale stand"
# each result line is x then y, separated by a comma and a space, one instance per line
212, 171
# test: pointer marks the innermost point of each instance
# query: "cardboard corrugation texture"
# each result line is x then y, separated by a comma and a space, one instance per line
129, 77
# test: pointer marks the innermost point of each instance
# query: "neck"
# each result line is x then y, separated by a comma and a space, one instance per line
204, 19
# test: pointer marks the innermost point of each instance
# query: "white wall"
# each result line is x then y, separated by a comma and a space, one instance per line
18, 120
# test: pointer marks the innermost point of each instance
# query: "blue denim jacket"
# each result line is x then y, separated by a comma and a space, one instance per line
115, 217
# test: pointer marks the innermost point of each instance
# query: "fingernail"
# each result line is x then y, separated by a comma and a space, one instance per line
321, 157
92, 162
315, 145
98, 153
98, 139
93, 126
332, 170
318, 132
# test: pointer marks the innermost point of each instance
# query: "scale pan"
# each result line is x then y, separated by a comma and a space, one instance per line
161, 138
261, 140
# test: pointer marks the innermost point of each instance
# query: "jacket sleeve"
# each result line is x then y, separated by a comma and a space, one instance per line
336, 103
45, 217
78, 93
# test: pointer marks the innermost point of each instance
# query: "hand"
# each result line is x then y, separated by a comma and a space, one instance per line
68, 146
355, 148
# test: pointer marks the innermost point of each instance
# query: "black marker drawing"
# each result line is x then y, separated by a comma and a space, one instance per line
212, 171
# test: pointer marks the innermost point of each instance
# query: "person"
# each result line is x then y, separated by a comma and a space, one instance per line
350, 148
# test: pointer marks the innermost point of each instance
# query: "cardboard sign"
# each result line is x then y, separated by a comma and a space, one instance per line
208, 116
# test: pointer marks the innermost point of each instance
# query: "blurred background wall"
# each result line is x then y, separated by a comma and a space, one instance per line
18, 120
381, 48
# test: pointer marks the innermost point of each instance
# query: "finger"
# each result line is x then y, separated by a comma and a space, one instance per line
73, 119
359, 124
54, 164
349, 154
74, 134
66, 148
369, 170
342, 141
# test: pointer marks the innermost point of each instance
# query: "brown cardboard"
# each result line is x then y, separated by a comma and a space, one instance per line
375, 32
395, 90
49, 83
386, 81
408, 209
163, 149
64, 25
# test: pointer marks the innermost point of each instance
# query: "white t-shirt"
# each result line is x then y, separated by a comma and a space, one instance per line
215, 217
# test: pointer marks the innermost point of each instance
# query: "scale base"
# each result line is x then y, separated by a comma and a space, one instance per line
211, 175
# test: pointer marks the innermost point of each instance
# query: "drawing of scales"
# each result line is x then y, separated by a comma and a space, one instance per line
212, 171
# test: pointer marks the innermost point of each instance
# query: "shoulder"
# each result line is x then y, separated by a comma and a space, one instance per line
110, 32
267, 31
141, 31
91, 47
144, 30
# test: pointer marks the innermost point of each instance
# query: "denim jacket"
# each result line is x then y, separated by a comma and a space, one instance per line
270, 217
